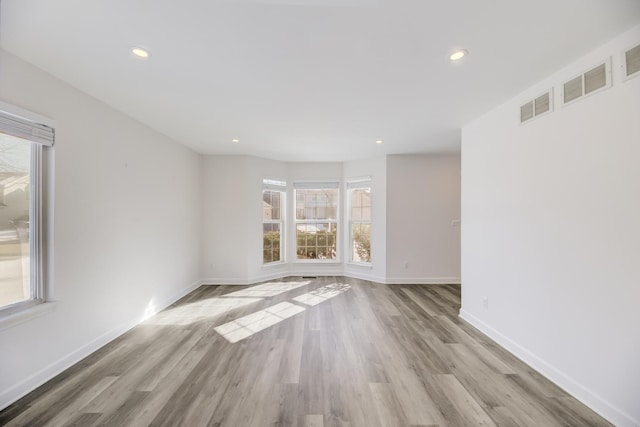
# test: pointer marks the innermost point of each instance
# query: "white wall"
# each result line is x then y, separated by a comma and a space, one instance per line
376, 168
551, 236
225, 214
413, 195
423, 198
127, 219
234, 215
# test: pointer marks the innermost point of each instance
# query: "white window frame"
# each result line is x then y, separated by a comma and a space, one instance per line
40, 133
316, 185
281, 187
357, 184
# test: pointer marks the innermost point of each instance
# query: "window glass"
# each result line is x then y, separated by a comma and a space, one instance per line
360, 224
15, 217
272, 225
316, 223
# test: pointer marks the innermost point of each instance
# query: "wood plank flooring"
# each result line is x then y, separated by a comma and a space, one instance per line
330, 351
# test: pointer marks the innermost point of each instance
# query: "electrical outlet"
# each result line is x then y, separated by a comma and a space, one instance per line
485, 303
405, 264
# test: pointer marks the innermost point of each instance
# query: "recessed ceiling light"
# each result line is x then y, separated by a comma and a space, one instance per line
459, 54
235, 140
379, 141
140, 52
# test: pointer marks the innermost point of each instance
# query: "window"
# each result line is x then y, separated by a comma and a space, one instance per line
273, 195
359, 193
24, 147
316, 220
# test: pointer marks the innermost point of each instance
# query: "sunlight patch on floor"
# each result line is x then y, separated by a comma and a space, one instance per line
322, 294
199, 310
268, 289
246, 326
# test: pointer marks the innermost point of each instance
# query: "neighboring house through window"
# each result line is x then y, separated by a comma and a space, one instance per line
24, 147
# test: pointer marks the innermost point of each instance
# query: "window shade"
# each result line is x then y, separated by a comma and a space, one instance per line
274, 184
22, 128
363, 182
316, 185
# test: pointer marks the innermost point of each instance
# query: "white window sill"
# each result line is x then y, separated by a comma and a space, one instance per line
27, 314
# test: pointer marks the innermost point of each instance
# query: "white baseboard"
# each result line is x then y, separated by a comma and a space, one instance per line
224, 281
364, 276
246, 281
422, 281
349, 273
12, 394
574, 388
322, 273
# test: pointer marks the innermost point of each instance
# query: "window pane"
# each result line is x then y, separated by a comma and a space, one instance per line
322, 239
271, 204
356, 213
271, 243
316, 204
311, 238
360, 199
361, 242
15, 172
366, 213
300, 234
316, 241
361, 204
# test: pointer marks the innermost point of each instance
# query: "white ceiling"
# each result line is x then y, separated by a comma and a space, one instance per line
308, 80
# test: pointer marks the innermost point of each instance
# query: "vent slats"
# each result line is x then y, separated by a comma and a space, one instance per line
587, 83
542, 104
526, 112
573, 89
537, 107
595, 79
632, 61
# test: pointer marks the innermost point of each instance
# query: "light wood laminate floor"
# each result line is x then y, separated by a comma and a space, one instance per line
330, 351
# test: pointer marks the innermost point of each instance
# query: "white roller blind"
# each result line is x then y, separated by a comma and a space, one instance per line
316, 185
362, 182
274, 184
22, 128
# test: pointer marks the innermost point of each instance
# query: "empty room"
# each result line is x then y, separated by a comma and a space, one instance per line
320, 213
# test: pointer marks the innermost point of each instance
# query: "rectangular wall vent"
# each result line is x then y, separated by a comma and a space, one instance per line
573, 89
542, 104
587, 83
537, 107
595, 79
631, 62
526, 112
